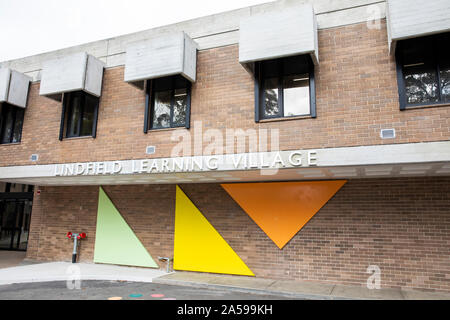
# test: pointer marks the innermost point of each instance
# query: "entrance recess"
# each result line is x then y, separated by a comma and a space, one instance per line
15, 216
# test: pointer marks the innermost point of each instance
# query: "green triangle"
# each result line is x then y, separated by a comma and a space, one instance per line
115, 242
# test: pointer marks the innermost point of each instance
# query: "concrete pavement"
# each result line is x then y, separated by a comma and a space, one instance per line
11, 258
294, 289
121, 290
63, 271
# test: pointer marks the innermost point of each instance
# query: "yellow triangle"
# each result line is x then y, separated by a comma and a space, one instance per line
198, 246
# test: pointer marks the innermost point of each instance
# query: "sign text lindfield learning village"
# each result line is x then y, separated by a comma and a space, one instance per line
247, 161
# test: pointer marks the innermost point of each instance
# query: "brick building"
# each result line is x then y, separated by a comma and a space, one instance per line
303, 140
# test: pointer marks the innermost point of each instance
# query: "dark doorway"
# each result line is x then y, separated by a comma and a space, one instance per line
15, 216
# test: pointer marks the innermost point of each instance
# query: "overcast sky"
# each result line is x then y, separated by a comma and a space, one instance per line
29, 27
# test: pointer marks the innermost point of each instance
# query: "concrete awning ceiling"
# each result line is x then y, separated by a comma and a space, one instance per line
14, 87
77, 72
364, 162
173, 54
278, 34
415, 18
349, 172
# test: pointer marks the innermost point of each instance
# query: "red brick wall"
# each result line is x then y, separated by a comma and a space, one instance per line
57, 211
356, 97
401, 225
148, 209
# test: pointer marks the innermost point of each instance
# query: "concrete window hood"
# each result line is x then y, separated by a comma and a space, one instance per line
14, 87
278, 34
76, 72
415, 18
173, 54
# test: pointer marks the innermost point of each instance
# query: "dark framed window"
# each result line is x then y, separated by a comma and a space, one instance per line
11, 122
423, 71
285, 88
168, 103
80, 114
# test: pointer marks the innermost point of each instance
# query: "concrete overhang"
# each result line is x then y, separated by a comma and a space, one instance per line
75, 72
281, 33
381, 161
14, 87
209, 32
415, 18
172, 54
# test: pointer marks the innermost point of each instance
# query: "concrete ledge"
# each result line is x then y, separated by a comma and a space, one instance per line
357, 162
66, 271
293, 289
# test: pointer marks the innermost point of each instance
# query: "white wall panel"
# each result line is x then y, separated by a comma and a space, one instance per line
18, 89
75, 72
94, 76
162, 56
190, 59
14, 87
277, 34
64, 74
5, 75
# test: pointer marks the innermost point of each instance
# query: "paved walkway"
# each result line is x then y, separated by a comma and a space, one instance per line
293, 289
11, 258
124, 290
63, 271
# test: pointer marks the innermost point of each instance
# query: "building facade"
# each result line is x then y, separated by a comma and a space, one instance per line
302, 140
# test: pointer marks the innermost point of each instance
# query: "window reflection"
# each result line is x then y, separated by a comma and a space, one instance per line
296, 95
445, 83
81, 114
170, 99
11, 122
74, 111
88, 116
284, 87
271, 107
425, 69
179, 108
17, 134
420, 84
161, 118
8, 124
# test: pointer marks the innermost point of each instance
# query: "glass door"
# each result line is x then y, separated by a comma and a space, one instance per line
14, 224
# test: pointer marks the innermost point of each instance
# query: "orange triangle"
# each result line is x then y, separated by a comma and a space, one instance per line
281, 209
